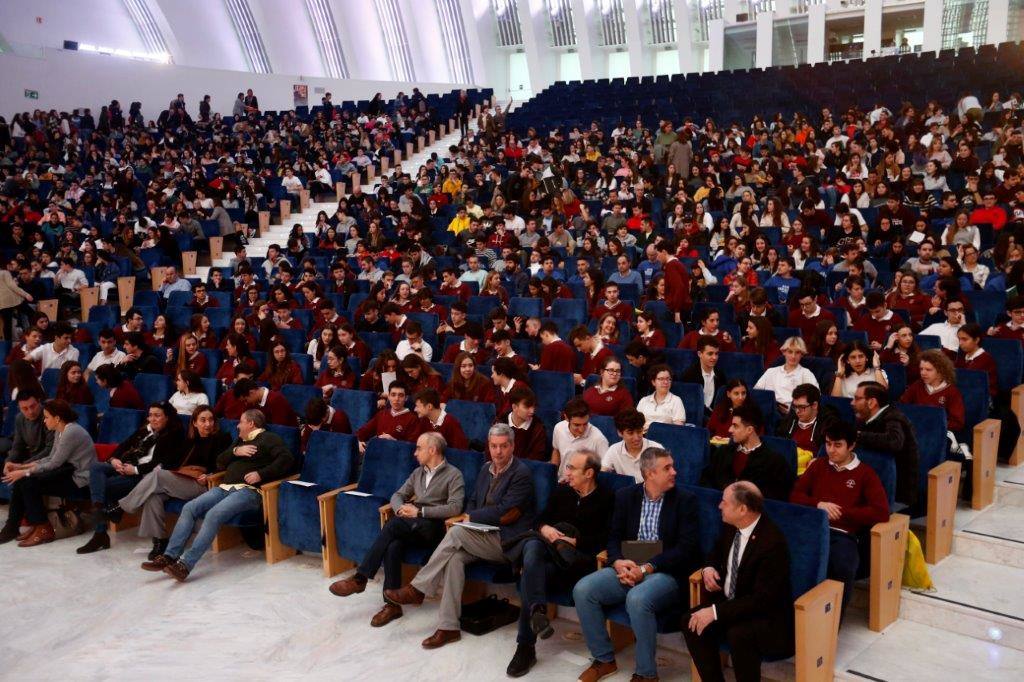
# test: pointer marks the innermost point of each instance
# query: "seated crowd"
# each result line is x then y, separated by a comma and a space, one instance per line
632, 266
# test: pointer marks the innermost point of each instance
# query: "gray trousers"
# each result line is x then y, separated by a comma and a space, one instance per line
150, 494
447, 568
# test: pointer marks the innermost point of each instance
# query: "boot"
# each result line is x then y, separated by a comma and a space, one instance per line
100, 540
113, 513
8, 532
159, 546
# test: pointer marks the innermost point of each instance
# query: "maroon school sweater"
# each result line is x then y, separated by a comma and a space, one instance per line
450, 428
558, 356
983, 362
858, 491
609, 403
402, 426
948, 399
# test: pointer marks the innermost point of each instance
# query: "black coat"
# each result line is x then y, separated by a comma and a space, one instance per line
892, 433
765, 468
167, 448
826, 415
692, 375
763, 590
677, 530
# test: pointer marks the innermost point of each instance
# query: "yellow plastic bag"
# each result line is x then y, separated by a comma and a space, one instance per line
803, 460
915, 571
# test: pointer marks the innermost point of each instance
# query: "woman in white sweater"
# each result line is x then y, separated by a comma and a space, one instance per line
662, 405
190, 393
783, 379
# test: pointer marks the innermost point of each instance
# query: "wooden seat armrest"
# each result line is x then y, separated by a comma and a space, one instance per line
817, 614
602, 559
387, 512
274, 485
331, 494
888, 551
698, 593
452, 520
213, 480
943, 491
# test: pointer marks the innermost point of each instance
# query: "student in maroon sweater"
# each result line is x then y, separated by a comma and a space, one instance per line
677, 280
612, 305
852, 495
555, 355
433, 418
467, 383
709, 321
593, 350
531, 437
608, 396
809, 314
879, 323
271, 403
472, 344
395, 421
973, 356
72, 387
122, 392
1014, 327
320, 416
937, 388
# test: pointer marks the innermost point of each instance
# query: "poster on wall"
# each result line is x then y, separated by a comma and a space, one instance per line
300, 94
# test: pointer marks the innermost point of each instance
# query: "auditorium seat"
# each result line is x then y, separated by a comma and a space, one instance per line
360, 406
118, 424
690, 448
475, 418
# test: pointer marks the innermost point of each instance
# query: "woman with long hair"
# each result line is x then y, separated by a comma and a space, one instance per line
205, 441
162, 333
199, 327
122, 392
319, 345
492, 287
239, 326
857, 364
937, 388
824, 342
372, 380
336, 372
467, 383
72, 386
648, 330
759, 339
903, 349
190, 393
972, 356
281, 368
22, 377
907, 295
736, 394
189, 357
661, 405
608, 329
418, 375
236, 348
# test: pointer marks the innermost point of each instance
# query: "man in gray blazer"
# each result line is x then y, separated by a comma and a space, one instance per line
503, 505
433, 492
32, 440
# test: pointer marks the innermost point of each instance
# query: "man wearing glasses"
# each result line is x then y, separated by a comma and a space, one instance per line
946, 331
807, 419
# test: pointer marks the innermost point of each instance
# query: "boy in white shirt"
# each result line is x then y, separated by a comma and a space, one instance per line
624, 457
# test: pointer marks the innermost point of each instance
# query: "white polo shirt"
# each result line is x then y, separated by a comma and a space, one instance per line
566, 443
621, 462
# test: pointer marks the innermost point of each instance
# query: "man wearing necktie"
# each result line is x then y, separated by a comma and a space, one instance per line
748, 602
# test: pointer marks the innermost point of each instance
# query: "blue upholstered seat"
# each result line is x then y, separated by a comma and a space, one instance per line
689, 446
154, 388
118, 424
329, 463
360, 406
476, 418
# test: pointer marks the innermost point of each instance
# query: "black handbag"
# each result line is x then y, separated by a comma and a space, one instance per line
487, 615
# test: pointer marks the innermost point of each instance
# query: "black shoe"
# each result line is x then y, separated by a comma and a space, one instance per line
524, 659
8, 533
99, 540
159, 547
113, 513
539, 622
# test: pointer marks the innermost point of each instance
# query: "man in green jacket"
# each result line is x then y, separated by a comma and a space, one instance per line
257, 456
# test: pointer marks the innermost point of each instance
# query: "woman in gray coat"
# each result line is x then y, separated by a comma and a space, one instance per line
62, 473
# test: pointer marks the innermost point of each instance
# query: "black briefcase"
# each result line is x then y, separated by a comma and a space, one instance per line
487, 615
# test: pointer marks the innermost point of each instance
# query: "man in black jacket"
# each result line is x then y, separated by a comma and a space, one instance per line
574, 523
504, 499
705, 371
156, 444
881, 427
139, 360
652, 547
746, 601
256, 457
746, 458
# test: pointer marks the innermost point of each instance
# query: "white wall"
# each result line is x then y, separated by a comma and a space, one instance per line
288, 36
211, 40
67, 80
98, 22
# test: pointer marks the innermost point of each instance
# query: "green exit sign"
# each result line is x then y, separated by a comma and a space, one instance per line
32, 94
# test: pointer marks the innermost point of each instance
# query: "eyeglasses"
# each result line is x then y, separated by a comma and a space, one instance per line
613, 371
800, 407
955, 310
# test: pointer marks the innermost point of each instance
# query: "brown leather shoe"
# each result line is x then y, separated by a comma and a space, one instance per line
24, 535
387, 614
40, 535
598, 670
348, 586
441, 637
178, 571
407, 595
161, 562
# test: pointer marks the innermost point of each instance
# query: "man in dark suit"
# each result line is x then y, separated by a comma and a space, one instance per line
746, 458
746, 598
705, 371
881, 427
654, 512
504, 498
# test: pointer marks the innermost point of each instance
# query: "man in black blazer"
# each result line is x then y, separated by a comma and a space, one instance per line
705, 371
747, 599
746, 458
881, 427
504, 498
652, 511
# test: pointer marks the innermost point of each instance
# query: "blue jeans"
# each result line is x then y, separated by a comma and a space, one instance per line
657, 592
216, 507
538, 570
105, 485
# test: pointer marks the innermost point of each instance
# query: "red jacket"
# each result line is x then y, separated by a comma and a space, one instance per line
557, 356
858, 491
127, 396
677, 286
948, 399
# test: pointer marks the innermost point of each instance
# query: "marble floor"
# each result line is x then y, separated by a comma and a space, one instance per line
98, 617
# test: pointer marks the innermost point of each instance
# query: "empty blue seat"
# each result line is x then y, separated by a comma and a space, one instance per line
298, 395
360, 406
481, 305
1009, 357
305, 363
570, 308
519, 306
692, 396
783, 446
329, 463
154, 388
932, 444
746, 366
476, 418
553, 389
973, 386
689, 445
118, 424
49, 379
